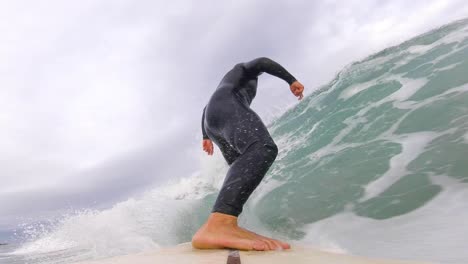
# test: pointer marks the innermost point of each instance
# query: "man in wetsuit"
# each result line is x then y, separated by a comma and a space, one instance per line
247, 147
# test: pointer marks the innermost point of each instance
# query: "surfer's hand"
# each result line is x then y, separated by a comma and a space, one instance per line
297, 88
208, 146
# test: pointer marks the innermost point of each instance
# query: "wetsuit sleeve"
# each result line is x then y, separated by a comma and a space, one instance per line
259, 65
205, 136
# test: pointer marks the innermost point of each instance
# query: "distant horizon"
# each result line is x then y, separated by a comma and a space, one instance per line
6, 236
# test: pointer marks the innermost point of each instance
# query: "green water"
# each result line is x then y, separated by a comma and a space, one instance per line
338, 141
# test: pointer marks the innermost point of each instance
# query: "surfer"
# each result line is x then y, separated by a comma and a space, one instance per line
247, 147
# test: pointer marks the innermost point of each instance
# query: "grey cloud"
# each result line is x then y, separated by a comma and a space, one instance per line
102, 185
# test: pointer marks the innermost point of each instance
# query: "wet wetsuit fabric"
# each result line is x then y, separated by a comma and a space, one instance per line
239, 132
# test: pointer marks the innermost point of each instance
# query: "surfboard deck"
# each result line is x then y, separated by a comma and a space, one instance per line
184, 253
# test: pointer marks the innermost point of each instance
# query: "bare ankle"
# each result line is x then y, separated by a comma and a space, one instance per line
222, 219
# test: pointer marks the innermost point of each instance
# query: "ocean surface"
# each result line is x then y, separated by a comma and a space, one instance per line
374, 163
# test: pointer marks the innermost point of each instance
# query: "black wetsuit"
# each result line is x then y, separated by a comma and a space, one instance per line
239, 132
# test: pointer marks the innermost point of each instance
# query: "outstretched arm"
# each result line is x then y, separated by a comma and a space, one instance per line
263, 64
259, 65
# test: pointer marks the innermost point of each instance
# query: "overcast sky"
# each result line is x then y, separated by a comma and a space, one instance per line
100, 98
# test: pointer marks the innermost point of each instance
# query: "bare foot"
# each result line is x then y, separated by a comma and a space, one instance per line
222, 231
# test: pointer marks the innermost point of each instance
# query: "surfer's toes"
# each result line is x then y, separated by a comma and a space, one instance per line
259, 246
272, 244
284, 245
245, 244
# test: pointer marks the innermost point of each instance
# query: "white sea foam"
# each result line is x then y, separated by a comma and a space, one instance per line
128, 227
415, 105
417, 50
435, 232
420, 49
456, 36
292, 140
449, 67
412, 146
155, 219
409, 87
356, 88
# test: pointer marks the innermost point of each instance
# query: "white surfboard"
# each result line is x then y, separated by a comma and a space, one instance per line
185, 254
